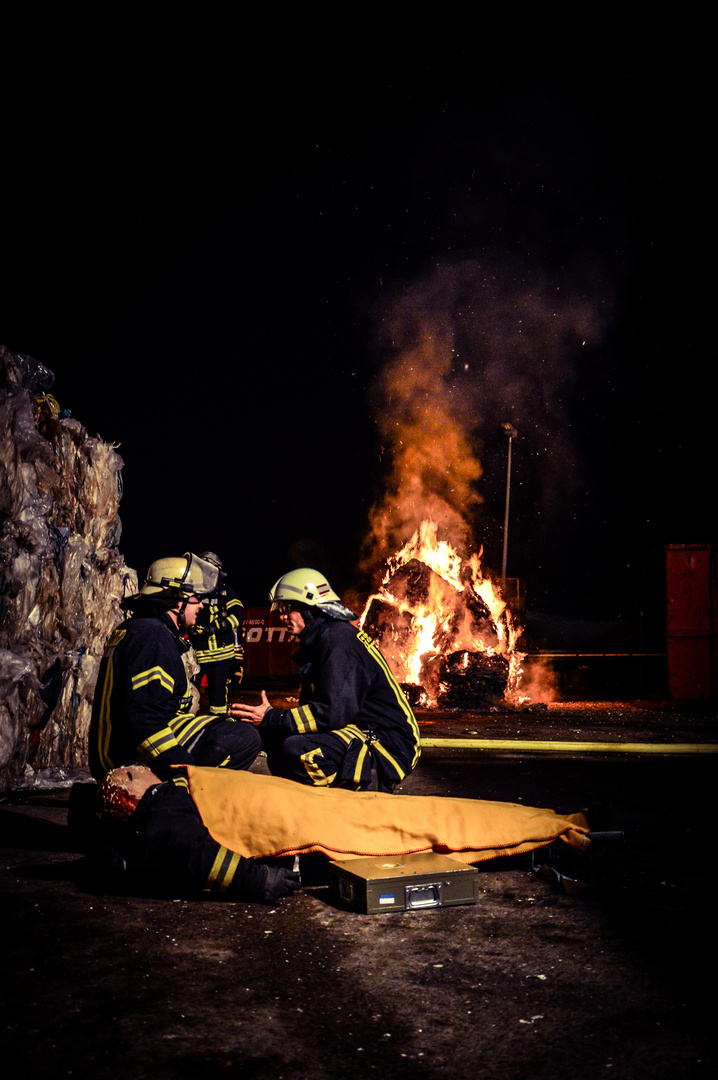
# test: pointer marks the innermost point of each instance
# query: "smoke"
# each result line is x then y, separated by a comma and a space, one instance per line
423, 425
470, 346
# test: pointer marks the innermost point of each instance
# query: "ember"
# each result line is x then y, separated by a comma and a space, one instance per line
443, 627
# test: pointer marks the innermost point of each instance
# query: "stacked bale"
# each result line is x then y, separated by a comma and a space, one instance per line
61, 575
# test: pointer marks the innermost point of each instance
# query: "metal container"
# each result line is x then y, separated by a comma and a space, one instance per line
414, 882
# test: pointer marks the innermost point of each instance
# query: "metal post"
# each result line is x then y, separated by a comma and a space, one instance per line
512, 433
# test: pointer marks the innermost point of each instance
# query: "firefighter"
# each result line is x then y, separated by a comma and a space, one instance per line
205, 830
163, 832
143, 708
218, 639
352, 718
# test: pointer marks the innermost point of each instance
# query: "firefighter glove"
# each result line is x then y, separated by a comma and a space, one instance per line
279, 883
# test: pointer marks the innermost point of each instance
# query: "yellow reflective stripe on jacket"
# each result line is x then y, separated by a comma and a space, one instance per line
104, 726
218, 611
372, 649
180, 730
185, 726
317, 776
303, 719
349, 733
213, 654
223, 870
156, 744
113, 641
234, 620
387, 756
143, 678
361, 757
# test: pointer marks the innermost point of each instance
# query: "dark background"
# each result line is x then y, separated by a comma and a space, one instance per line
203, 229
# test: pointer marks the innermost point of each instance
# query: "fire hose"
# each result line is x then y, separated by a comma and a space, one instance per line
565, 746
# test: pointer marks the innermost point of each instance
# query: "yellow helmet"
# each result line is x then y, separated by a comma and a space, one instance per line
309, 587
175, 579
304, 587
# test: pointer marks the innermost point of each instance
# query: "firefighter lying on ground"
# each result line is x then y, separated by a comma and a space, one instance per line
218, 639
352, 718
143, 710
206, 829
155, 826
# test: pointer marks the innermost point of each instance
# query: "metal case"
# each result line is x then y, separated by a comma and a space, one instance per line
413, 882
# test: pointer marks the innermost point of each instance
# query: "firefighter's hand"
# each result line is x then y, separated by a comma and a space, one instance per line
267, 884
279, 883
253, 713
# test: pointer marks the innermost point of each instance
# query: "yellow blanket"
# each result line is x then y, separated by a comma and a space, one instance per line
259, 815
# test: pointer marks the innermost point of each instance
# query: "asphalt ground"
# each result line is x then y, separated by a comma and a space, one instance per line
592, 966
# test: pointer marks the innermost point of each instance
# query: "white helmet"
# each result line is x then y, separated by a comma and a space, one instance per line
175, 579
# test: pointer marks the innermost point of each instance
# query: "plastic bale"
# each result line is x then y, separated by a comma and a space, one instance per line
61, 576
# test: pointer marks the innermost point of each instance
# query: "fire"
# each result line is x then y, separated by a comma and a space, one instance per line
434, 607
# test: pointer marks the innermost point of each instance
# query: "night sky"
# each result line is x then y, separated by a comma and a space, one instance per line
221, 250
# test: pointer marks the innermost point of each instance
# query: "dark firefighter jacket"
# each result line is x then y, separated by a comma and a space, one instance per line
349, 690
218, 630
141, 708
165, 835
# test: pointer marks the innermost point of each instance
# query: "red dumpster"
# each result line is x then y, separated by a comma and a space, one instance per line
691, 610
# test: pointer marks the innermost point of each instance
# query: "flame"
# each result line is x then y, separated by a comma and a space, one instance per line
443, 621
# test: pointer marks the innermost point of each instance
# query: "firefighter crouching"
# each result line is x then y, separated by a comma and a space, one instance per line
218, 639
143, 707
353, 720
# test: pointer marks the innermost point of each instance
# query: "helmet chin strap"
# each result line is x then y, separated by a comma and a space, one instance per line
181, 611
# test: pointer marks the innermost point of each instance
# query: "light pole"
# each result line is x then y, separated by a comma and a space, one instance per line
512, 434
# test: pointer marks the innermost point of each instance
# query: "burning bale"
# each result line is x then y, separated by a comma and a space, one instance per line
468, 678
61, 575
415, 585
442, 627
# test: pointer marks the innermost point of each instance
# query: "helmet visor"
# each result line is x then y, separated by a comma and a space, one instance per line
283, 607
201, 577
